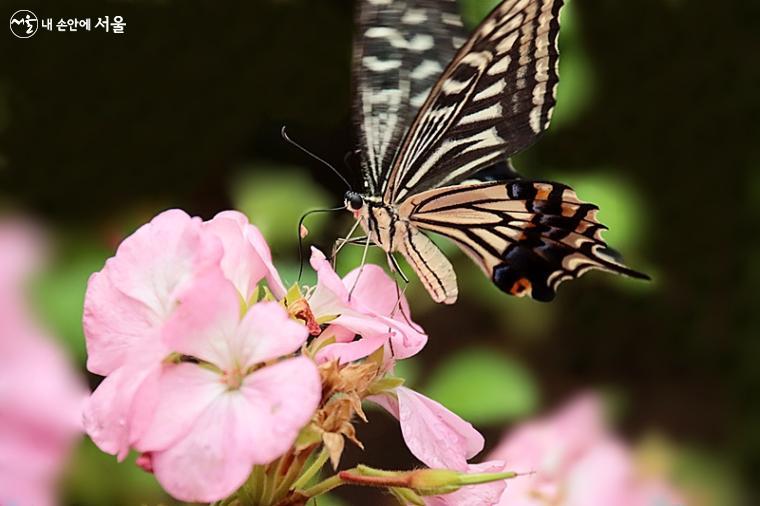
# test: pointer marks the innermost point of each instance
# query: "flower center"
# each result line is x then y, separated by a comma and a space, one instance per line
233, 379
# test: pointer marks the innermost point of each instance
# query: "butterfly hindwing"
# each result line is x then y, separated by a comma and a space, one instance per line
527, 236
493, 100
401, 49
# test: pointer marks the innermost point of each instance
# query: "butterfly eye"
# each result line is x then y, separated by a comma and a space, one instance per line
354, 200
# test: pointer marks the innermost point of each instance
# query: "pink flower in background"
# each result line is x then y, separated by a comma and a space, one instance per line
435, 435
209, 423
40, 393
575, 461
369, 307
130, 299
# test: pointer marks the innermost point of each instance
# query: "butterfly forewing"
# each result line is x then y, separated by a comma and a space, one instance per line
492, 101
526, 236
401, 50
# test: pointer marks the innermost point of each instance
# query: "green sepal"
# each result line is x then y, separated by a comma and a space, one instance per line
308, 436
385, 385
406, 496
294, 294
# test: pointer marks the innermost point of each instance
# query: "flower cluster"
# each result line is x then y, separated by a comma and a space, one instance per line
577, 461
40, 393
229, 385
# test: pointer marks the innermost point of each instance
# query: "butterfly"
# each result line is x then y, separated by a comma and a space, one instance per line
435, 142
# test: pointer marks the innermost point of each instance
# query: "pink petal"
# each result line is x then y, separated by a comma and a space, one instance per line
435, 435
256, 240
205, 321
116, 326
160, 258
284, 397
330, 296
108, 416
214, 458
375, 334
374, 291
240, 263
265, 333
185, 391
604, 475
485, 494
22, 248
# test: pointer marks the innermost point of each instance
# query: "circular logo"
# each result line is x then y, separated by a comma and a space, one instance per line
24, 24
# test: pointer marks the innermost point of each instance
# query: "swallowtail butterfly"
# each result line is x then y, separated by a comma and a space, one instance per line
438, 115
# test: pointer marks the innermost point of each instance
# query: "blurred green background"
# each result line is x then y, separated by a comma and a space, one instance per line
657, 122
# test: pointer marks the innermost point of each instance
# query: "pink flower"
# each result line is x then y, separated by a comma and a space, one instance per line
575, 461
208, 423
128, 302
40, 393
365, 302
435, 435
485, 494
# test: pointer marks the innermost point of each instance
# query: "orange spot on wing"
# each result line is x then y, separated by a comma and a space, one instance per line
521, 287
542, 191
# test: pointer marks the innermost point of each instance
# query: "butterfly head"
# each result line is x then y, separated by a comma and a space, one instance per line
354, 201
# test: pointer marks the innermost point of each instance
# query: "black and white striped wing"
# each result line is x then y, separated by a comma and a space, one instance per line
527, 236
400, 51
492, 101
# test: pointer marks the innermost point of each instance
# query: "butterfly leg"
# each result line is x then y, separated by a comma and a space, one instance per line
396, 268
342, 242
361, 267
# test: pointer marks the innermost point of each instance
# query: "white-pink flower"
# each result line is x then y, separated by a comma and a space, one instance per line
233, 404
41, 395
199, 377
574, 460
366, 302
435, 435
131, 298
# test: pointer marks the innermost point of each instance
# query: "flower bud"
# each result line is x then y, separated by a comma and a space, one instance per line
435, 481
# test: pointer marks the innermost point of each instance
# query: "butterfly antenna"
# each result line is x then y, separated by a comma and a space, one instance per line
287, 139
300, 237
346, 158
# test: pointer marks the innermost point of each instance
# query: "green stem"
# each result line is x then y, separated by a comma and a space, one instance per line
270, 483
312, 470
294, 469
256, 486
324, 486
